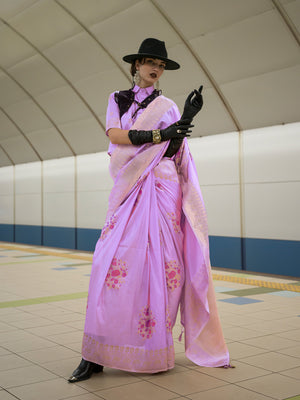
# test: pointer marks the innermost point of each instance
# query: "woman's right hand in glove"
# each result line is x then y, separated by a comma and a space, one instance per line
179, 130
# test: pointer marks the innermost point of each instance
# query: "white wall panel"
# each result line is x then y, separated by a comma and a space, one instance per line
92, 209
28, 178
272, 154
7, 180
222, 204
272, 210
4, 160
93, 173
28, 209
59, 175
59, 196
7, 195
28, 194
59, 209
6, 209
216, 158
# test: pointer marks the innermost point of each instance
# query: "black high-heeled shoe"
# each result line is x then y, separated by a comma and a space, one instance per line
84, 371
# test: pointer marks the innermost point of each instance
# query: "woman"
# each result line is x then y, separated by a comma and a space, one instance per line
153, 251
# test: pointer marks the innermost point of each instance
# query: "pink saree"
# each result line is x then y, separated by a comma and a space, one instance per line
152, 256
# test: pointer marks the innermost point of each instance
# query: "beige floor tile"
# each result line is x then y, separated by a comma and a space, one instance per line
53, 329
55, 353
229, 392
137, 391
293, 334
15, 335
88, 396
238, 333
179, 347
76, 324
292, 373
25, 375
187, 382
241, 372
292, 321
34, 343
66, 338
175, 370
41, 310
6, 327
291, 351
64, 367
76, 346
273, 361
55, 389
4, 395
276, 386
65, 318
241, 320
181, 359
270, 342
239, 350
78, 305
109, 378
4, 352
268, 315
271, 326
12, 361
32, 322
287, 310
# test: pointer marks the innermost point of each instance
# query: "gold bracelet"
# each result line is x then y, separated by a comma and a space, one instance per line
156, 138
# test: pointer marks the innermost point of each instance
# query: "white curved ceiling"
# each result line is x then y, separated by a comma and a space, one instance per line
60, 59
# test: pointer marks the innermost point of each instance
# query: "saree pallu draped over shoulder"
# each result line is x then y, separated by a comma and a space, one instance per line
152, 256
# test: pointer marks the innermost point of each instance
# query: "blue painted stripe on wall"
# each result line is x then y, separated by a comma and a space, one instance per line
87, 238
225, 252
279, 257
29, 234
270, 256
56, 236
7, 232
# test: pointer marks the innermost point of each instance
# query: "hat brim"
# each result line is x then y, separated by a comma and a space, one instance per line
170, 64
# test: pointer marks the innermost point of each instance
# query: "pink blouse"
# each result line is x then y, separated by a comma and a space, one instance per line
113, 114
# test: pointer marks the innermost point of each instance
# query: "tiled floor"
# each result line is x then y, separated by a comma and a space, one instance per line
42, 307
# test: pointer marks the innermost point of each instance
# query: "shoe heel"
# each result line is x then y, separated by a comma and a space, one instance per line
98, 368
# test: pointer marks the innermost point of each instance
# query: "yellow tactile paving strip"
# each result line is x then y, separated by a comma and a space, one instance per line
49, 252
255, 282
217, 277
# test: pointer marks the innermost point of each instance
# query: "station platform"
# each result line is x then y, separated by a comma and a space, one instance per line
42, 310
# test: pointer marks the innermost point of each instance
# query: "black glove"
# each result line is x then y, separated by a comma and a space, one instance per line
192, 105
178, 130
173, 147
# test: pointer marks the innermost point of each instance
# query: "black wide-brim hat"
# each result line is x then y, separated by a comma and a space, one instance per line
153, 48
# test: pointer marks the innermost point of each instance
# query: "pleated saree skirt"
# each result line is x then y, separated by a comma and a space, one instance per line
137, 278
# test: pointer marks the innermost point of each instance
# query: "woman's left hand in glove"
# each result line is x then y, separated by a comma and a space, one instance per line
193, 104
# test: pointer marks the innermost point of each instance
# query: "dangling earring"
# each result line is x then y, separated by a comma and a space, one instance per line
137, 77
157, 85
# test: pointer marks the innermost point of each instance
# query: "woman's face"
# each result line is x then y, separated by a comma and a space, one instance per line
150, 69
